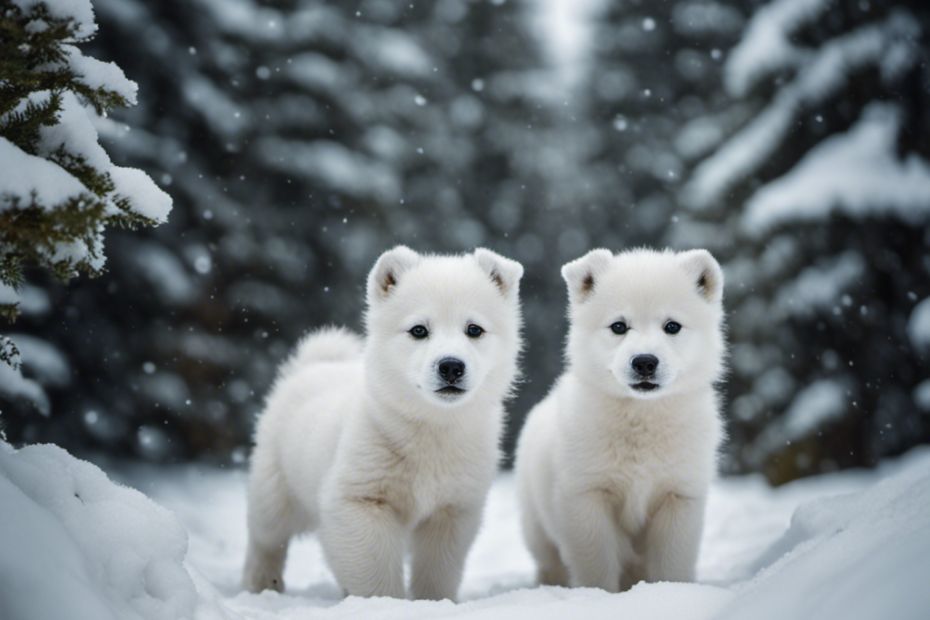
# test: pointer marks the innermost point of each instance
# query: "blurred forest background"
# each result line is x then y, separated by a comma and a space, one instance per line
301, 138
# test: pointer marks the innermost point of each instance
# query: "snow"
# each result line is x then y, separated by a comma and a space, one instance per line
75, 545
395, 52
145, 197
222, 114
766, 46
860, 555
317, 72
23, 176
857, 173
848, 545
75, 133
245, 18
98, 74
8, 294
818, 287
28, 179
566, 24
812, 408
43, 360
332, 165
705, 19
817, 79
14, 386
818, 404
80, 10
918, 325
922, 396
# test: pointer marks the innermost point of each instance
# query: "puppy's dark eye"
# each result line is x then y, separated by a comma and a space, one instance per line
419, 332
474, 331
619, 328
672, 327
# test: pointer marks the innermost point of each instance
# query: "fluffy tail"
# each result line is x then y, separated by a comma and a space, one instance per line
327, 344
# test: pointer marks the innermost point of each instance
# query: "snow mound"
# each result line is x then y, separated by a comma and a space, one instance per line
859, 555
75, 545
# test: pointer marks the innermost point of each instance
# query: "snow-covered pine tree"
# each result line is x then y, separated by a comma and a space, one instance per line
58, 189
819, 205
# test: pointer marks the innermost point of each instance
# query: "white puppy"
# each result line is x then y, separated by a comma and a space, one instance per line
613, 466
379, 441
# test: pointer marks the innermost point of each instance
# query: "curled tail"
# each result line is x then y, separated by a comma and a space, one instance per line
327, 344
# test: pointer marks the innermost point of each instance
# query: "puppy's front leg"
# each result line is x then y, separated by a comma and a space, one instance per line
674, 538
363, 540
440, 546
592, 546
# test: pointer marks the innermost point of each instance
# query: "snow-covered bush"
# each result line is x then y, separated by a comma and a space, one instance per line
818, 203
59, 190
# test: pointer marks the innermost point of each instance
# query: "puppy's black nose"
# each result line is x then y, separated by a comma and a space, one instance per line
645, 365
451, 370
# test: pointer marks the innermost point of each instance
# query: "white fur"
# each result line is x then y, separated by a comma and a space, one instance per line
356, 443
612, 481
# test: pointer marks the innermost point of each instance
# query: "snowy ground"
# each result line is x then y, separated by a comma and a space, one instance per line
751, 551
851, 545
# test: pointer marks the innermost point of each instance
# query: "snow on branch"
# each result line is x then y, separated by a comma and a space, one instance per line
918, 326
888, 46
767, 47
857, 173
332, 165
819, 287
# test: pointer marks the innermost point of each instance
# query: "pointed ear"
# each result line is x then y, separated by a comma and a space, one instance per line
582, 274
505, 273
705, 272
387, 272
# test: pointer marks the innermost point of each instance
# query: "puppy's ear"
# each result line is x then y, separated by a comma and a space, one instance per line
705, 272
387, 272
582, 274
505, 273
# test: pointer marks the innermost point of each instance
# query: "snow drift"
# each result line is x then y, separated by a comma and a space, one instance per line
75, 545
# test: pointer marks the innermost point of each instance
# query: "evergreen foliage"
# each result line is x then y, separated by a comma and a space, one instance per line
57, 192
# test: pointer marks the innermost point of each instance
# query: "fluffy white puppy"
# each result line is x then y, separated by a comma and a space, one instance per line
613, 466
393, 438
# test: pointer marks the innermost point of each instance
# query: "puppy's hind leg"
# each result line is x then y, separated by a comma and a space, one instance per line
550, 569
272, 520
